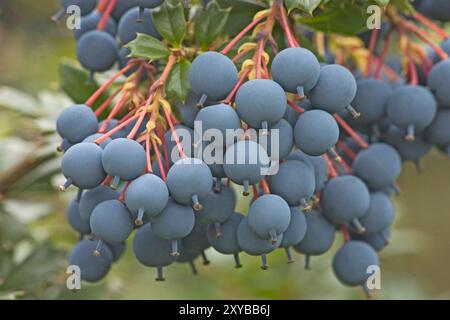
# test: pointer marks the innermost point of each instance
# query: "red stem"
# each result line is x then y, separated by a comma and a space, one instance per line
430, 24
164, 145
414, 79
255, 192
349, 152
294, 106
419, 33
136, 127
102, 6
147, 152
345, 233
240, 35
351, 132
122, 193
265, 187
158, 159
386, 45
372, 44
104, 20
174, 133
241, 54
287, 30
331, 170
241, 80
116, 129
258, 56
105, 104
114, 112
105, 86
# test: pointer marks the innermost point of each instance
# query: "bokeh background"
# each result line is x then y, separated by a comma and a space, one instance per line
35, 238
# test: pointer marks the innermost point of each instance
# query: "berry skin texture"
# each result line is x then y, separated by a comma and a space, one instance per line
124, 158
93, 268
220, 117
74, 218
379, 166
438, 80
296, 230
345, 199
335, 89
90, 22
212, 76
82, 165
92, 198
380, 214
217, 206
174, 222
319, 235
76, 123
117, 250
189, 110
97, 51
317, 164
111, 221
371, 99
261, 103
151, 250
411, 107
185, 137
96, 136
408, 150
316, 132
350, 263
378, 241
121, 7
253, 245
294, 182
244, 162
269, 216
129, 26
285, 140
296, 69
190, 172
227, 241
438, 132
146, 197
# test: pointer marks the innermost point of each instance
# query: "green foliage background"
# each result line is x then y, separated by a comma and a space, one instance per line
35, 238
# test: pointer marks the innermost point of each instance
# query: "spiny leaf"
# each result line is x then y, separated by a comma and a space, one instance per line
210, 23
147, 47
177, 87
170, 22
307, 6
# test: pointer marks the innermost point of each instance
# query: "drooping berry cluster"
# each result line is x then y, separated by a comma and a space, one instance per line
144, 169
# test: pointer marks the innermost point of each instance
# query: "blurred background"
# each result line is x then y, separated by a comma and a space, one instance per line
35, 237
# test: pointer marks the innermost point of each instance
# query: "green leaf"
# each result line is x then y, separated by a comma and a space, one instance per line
74, 82
170, 23
344, 18
147, 47
382, 3
177, 87
307, 6
210, 23
242, 12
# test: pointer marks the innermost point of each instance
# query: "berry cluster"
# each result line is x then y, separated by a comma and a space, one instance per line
144, 169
